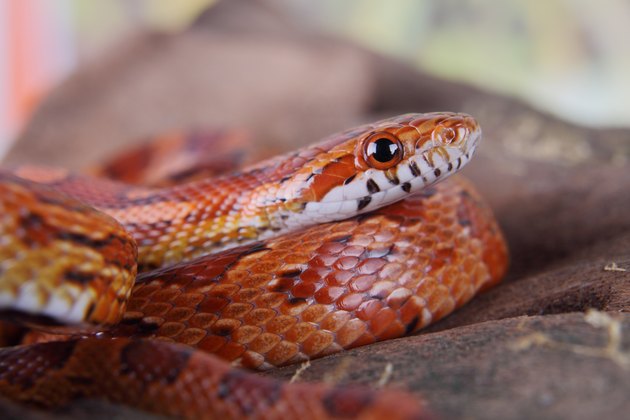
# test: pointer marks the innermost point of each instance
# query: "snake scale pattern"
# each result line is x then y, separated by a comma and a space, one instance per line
356, 239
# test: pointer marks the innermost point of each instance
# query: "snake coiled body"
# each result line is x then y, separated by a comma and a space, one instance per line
262, 268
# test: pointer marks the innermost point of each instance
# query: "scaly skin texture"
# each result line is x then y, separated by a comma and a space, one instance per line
329, 287
176, 381
55, 251
293, 290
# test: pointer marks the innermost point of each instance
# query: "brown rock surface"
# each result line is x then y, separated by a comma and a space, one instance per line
553, 366
561, 193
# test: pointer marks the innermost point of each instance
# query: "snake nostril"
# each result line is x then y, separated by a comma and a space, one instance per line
445, 135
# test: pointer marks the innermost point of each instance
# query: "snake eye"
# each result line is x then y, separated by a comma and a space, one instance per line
382, 150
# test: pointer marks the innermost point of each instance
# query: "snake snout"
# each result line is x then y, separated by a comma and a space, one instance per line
457, 131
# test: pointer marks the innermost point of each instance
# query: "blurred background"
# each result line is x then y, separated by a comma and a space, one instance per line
567, 57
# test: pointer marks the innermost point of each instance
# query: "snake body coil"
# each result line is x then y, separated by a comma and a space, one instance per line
338, 245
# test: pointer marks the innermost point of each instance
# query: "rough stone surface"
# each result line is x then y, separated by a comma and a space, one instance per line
553, 366
561, 193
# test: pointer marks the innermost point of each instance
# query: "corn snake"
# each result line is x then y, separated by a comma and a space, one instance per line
262, 267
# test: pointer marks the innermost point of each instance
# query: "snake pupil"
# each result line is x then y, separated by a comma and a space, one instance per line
383, 150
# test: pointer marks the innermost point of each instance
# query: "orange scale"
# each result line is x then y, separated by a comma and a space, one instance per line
236, 310
470, 264
189, 300
371, 265
440, 302
331, 248
427, 243
317, 342
275, 255
170, 329
362, 283
379, 250
391, 270
344, 227
316, 235
385, 235
282, 352
353, 251
224, 327
297, 258
315, 313
224, 290
304, 290
252, 360
237, 276
246, 334
230, 351
362, 240
300, 332
427, 287
311, 245
166, 294
179, 314
368, 310
259, 316
323, 260
446, 307
191, 336
265, 267
350, 302
270, 300
411, 313
448, 220
287, 243
157, 308
338, 277
335, 320
421, 259
346, 263
281, 324
394, 330
411, 279
382, 320
213, 270
481, 275
264, 342
136, 304
462, 292
383, 288
247, 295
366, 230
256, 280
293, 306
450, 277
202, 320
145, 290
350, 333
398, 297
311, 275
212, 304
328, 295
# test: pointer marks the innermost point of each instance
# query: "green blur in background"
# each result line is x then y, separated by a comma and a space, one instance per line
569, 57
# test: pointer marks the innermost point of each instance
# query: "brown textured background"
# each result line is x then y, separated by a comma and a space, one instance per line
561, 193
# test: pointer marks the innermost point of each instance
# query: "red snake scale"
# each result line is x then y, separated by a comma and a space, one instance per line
351, 241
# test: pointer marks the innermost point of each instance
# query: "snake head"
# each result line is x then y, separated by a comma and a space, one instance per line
374, 165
